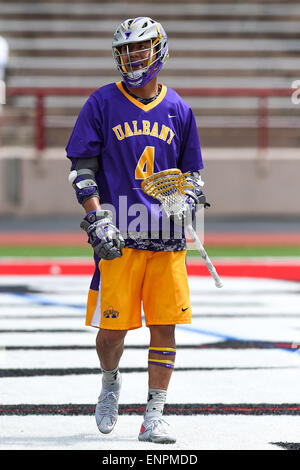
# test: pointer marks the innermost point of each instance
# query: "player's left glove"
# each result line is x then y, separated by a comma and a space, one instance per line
104, 236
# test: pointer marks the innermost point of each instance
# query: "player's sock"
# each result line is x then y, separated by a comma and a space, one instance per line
155, 402
111, 377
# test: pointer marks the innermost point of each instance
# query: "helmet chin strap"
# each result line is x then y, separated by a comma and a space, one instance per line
142, 80
136, 74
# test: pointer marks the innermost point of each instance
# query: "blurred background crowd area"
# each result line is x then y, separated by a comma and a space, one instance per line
234, 62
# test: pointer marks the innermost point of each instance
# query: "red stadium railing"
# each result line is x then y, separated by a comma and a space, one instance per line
263, 94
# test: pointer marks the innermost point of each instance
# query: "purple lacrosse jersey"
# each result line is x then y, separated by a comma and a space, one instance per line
133, 140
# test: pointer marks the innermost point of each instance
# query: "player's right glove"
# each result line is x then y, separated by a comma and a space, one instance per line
104, 236
193, 202
194, 198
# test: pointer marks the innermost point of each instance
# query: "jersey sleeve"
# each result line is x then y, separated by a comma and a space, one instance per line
190, 158
86, 138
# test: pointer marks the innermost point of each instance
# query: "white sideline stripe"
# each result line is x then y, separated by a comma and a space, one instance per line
180, 63
219, 323
174, 44
46, 359
170, 26
202, 307
231, 9
220, 387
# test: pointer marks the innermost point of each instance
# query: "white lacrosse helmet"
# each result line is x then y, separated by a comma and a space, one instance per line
138, 30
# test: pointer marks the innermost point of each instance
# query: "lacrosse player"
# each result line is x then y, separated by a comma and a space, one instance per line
125, 132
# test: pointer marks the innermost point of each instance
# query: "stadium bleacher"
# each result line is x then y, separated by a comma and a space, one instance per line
212, 44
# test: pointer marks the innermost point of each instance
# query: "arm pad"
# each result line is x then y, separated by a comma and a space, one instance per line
83, 178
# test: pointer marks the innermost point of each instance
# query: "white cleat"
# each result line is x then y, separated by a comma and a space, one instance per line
155, 429
106, 413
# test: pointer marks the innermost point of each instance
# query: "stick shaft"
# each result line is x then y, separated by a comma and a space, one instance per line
204, 256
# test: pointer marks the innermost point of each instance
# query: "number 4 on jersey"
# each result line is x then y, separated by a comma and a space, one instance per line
145, 164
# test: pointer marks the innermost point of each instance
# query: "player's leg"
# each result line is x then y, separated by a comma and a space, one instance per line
109, 346
114, 310
160, 366
161, 359
167, 275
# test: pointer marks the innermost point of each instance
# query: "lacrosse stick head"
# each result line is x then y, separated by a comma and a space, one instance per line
168, 187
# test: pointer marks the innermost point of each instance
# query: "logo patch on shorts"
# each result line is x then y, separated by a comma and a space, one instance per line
184, 309
111, 312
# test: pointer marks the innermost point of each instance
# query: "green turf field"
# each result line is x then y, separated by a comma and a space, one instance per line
86, 251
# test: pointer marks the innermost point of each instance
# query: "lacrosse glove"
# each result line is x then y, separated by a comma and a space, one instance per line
103, 235
194, 198
192, 202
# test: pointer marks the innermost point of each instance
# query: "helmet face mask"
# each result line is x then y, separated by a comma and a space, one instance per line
139, 65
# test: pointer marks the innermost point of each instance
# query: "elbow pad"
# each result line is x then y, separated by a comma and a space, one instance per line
84, 183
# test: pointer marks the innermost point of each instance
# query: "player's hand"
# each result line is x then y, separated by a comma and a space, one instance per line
193, 200
192, 203
104, 236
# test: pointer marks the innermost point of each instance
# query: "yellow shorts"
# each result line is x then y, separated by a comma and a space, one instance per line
156, 280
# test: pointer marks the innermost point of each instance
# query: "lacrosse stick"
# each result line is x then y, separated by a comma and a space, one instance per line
168, 186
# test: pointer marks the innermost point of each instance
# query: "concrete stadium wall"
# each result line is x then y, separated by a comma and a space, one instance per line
238, 182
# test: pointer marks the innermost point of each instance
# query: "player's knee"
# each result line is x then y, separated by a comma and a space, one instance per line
162, 332
111, 338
